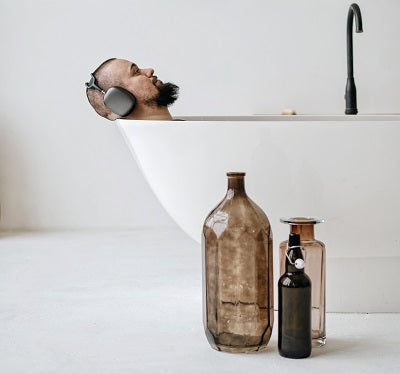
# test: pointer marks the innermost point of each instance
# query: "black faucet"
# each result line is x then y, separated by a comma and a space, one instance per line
351, 93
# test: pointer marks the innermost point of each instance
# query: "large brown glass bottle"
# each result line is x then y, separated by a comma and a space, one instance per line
238, 309
314, 257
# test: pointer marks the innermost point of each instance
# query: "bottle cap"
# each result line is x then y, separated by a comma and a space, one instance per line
294, 240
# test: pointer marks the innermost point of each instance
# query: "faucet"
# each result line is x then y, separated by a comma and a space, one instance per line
351, 93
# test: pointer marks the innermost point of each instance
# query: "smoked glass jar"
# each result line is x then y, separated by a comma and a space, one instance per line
314, 257
238, 302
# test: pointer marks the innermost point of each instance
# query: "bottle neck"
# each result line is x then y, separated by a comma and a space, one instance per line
236, 185
293, 254
306, 231
292, 269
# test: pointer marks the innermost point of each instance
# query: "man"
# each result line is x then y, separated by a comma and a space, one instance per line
151, 97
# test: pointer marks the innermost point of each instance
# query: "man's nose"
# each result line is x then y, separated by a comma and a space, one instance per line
148, 72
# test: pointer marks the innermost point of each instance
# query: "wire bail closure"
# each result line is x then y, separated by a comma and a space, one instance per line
299, 263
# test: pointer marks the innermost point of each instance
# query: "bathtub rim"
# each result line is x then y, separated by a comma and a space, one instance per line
303, 118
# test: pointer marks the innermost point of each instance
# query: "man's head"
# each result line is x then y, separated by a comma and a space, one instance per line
152, 95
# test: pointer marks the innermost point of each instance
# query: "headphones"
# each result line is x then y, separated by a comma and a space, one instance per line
117, 99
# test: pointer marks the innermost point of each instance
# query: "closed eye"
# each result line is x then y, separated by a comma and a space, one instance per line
135, 69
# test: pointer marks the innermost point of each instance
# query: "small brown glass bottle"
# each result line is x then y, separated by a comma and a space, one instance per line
294, 296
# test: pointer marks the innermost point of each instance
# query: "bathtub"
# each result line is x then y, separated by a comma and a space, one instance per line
344, 169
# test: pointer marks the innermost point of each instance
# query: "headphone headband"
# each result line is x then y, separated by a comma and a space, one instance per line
93, 84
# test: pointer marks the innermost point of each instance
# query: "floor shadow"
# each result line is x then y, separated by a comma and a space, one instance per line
338, 347
333, 348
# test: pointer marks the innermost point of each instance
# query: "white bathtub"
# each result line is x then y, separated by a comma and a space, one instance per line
345, 169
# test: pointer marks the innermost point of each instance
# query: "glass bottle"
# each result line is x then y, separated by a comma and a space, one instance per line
294, 313
314, 257
238, 302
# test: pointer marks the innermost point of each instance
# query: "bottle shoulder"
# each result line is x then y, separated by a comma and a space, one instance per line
295, 280
313, 243
238, 213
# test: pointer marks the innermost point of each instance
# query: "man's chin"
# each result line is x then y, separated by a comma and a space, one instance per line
167, 94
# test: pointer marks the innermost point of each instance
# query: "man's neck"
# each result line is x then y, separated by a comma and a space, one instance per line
150, 113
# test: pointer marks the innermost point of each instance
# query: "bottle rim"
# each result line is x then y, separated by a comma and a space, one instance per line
235, 174
302, 220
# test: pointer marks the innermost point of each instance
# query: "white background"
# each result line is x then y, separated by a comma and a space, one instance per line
62, 166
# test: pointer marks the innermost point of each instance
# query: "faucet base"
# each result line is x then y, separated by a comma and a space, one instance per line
351, 111
350, 97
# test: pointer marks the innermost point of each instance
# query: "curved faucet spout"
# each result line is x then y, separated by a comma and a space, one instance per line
351, 93
354, 10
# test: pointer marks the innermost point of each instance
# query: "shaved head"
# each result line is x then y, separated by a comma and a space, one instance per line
105, 79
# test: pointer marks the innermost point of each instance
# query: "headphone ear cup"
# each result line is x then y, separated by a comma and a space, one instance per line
119, 101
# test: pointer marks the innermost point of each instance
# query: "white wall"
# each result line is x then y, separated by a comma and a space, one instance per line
62, 166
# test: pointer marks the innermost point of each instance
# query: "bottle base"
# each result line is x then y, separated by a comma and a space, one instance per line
295, 355
319, 342
229, 349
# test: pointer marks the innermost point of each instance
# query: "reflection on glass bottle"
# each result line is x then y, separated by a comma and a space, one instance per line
237, 273
294, 295
314, 256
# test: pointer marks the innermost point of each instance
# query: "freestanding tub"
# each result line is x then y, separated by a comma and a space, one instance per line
345, 169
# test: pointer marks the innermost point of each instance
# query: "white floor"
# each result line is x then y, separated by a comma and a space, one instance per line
130, 302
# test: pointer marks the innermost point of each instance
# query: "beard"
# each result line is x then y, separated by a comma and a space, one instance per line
167, 95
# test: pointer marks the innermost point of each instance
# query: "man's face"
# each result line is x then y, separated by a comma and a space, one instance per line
143, 84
